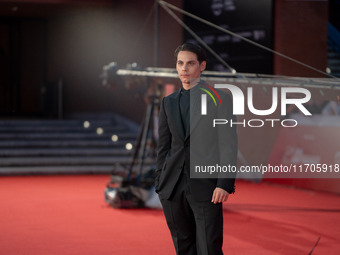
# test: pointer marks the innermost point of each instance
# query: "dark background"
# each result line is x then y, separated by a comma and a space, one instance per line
251, 19
46, 43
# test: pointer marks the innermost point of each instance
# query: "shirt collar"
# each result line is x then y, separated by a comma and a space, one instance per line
194, 89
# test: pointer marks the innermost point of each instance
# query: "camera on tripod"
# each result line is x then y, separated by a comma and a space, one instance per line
132, 186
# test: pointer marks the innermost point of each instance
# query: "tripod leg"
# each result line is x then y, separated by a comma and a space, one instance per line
137, 147
149, 114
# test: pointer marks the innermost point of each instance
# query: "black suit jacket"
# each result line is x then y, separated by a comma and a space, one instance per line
201, 145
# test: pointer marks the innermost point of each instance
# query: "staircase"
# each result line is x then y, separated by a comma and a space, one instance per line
333, 62
65, 146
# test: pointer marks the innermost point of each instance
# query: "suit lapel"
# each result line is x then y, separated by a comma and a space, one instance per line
195, 112
176, 115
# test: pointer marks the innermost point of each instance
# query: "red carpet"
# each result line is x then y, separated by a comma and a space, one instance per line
68, 215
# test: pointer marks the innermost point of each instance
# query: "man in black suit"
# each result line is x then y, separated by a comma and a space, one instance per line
187, 140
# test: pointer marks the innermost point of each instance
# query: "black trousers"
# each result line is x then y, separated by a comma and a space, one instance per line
196, 226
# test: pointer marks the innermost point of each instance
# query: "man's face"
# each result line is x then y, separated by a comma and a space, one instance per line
188, 67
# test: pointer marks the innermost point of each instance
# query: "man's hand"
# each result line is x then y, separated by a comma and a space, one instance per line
219, 196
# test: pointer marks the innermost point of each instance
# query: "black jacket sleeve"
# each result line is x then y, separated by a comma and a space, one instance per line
164, 142
228, 145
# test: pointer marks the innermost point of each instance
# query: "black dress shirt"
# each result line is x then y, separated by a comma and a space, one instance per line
184, 106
